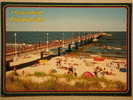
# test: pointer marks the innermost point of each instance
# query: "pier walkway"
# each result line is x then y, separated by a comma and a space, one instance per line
39, 51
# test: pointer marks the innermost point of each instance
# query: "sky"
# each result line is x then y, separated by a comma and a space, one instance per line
68, 19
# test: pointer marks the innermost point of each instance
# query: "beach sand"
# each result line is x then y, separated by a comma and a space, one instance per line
80, 65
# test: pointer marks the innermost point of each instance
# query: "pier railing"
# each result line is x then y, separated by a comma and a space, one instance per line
22, 49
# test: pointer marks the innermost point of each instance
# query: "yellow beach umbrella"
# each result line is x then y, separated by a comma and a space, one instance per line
43, 61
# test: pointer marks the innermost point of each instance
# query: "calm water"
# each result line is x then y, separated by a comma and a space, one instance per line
116, 42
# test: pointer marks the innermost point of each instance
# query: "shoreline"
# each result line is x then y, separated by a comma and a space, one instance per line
87, 54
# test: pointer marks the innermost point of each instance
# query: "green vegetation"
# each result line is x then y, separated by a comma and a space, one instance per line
39, 74
15, 73
61, 82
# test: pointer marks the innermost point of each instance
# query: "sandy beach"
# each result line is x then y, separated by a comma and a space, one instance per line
72, 71
80, 65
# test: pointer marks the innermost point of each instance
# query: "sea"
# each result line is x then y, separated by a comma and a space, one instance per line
113, 46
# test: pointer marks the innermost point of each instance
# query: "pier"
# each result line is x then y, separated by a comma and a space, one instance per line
42, 50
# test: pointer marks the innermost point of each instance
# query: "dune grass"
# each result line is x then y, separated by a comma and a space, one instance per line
14, 82
39, 74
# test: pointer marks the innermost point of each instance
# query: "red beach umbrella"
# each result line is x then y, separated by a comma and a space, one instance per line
98, 58
88, 75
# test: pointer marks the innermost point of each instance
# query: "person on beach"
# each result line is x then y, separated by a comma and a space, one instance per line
75, 73
112, 66
14, 68
103, 72
125, 65
70, 70
23, 72
118, 65
97, 70
58, 63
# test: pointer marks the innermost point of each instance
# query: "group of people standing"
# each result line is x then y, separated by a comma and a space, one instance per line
70, 69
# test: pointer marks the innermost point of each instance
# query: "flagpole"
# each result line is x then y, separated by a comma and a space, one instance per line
63, 38
72, 37
15, 53
79, 36
47, 43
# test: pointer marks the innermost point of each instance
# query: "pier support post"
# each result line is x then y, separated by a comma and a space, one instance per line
81, 42
76, 45
85, 42
91, 40
41, 55
59, 53
8, 65
69, 47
